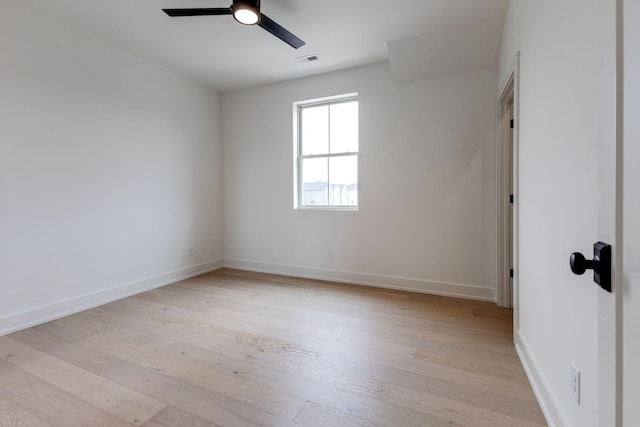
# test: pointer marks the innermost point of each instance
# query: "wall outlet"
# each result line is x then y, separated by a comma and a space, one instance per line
190, 251
574, 383
330, 253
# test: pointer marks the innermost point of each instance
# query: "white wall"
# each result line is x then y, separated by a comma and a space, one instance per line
558, 168
426, 176
109, 169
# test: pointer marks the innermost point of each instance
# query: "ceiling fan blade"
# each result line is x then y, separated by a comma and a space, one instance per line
280, 32
199, 11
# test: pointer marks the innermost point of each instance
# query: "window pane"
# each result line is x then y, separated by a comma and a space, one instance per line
315, 130
314, 181
343, 181
344, 127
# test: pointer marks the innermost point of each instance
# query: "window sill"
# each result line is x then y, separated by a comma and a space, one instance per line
328, 208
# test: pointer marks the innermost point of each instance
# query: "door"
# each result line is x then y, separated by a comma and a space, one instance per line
507, 178
510, 191
631, 216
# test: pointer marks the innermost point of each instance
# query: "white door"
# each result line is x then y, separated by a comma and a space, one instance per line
631, 216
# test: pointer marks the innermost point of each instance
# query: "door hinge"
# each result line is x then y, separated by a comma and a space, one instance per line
511, 124
511, 273
511, 198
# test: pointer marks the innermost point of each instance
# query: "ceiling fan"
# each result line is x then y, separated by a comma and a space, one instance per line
246, 12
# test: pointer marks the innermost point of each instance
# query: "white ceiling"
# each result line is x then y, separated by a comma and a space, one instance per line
470, 47
217, 51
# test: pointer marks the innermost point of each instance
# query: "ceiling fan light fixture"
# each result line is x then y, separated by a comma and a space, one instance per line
246, 12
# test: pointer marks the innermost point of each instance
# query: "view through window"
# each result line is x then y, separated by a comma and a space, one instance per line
327, 153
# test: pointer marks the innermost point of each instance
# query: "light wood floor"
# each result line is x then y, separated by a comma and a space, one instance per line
241, 349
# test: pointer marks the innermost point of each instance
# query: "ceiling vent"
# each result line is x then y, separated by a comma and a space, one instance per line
308, 58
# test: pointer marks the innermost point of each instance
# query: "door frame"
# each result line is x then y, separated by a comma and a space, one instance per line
610, 209
630, 270
507, 295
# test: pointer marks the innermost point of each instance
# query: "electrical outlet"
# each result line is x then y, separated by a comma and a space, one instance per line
574, 383
330, 253
190, 251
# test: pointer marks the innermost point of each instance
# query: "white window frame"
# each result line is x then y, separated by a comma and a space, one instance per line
298, 157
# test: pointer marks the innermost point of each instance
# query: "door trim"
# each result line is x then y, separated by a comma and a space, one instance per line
610, 209
507, 286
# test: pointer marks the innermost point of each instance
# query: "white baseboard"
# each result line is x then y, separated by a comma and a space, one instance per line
25, 319
376, 280
541, 388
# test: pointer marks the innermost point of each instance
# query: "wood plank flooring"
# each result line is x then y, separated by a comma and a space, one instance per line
237, 349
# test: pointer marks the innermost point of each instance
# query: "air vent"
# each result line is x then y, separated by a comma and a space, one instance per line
308, 58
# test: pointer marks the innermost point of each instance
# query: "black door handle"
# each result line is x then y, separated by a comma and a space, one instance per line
600, 264
579, 264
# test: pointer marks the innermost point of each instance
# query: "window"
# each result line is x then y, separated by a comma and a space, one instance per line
326, 150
